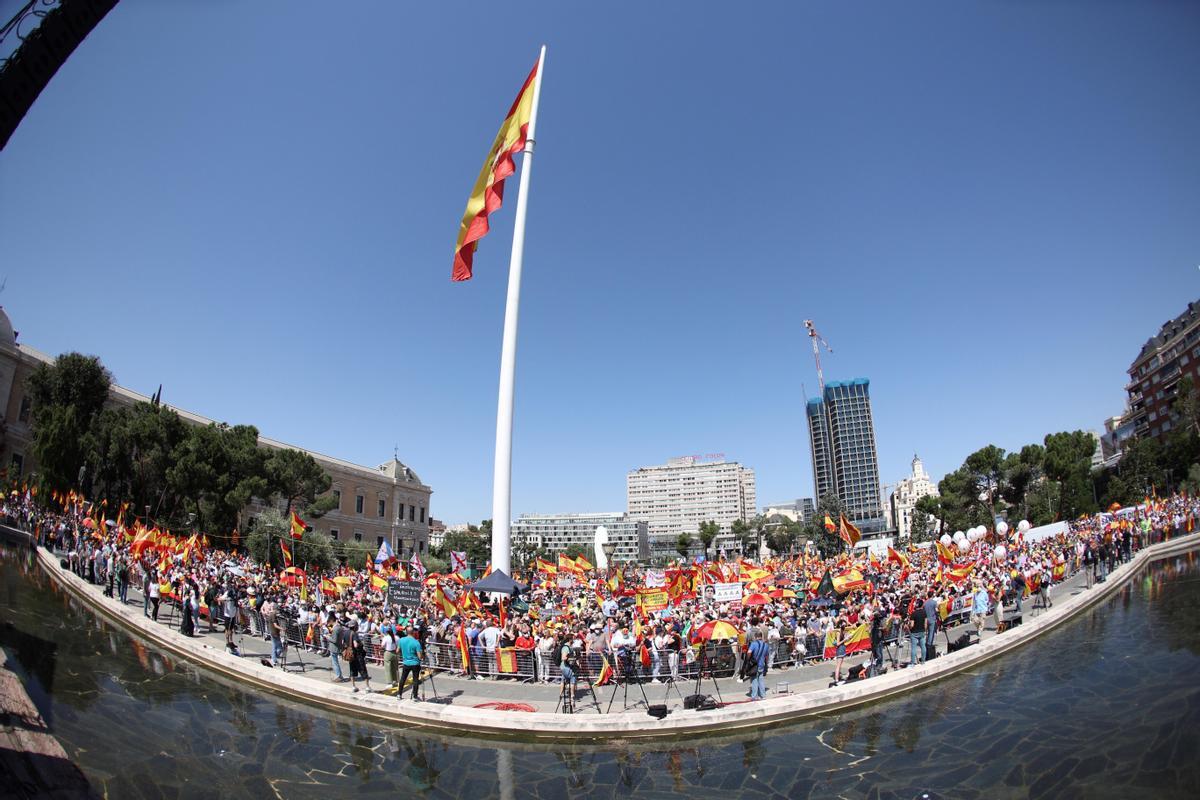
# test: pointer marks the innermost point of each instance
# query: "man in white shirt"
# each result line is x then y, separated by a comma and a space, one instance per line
490, 637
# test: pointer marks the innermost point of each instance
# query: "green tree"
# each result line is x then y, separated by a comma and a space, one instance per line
960, 503
353, 553
1141, 468
65, 398
828, 542
1021, 471
1186, 405
743, 534
706, 533
215, 472
683, 545
1068, 462
298, 479
985, 468
918, 526
930, 507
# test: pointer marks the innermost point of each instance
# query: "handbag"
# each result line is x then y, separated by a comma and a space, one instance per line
348, 653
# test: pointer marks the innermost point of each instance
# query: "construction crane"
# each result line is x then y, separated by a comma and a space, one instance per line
816, 337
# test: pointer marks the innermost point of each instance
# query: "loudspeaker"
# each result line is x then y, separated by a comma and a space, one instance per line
693, 701
707, 704
657, 711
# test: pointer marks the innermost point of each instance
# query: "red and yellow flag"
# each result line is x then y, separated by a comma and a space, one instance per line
850, 534
606, 672
898, 557
829, 526
287, 552
488, 192
298, 526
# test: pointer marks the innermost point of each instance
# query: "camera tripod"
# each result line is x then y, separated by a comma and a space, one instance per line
568, 700
625, 662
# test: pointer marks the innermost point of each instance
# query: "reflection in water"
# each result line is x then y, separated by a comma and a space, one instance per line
1103, 707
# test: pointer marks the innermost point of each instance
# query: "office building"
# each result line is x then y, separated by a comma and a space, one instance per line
675, 497
904, 499
556, 532
845, 460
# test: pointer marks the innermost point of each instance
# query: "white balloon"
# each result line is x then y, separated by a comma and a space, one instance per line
1001, 552
973, 535
945, 540
958, 535
1023, 526
1002, 527
964, 545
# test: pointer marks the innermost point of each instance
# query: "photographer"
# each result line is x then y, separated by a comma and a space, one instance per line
568, 660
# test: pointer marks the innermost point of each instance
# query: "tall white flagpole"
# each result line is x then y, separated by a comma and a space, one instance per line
502, 480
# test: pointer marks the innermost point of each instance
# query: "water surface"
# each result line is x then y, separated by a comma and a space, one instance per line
1105, 706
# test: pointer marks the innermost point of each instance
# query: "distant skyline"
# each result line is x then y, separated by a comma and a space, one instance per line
986, 208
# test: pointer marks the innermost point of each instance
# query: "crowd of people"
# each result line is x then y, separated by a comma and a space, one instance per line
585, 624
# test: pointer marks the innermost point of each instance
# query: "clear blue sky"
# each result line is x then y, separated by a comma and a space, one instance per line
985, 207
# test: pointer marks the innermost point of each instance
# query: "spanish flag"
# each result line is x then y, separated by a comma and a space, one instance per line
567, 565
829, 526
287, 552
464, 651
488, 192
547, 567
445, 603
378, 582
583, 563
606, 672
298, 526
850, 534
899, 558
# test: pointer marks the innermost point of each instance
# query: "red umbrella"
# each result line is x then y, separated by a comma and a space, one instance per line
715, 629
755, 599
781, 594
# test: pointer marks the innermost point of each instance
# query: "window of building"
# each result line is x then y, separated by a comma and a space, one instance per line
18, 464
412, 513
422, 514
337, 496
333, 534
23, 414
358, 504
381, 502
358, 536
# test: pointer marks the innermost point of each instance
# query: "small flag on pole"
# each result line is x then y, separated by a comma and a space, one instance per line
298, 526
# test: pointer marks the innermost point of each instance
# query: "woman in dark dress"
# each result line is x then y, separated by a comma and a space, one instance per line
188, 626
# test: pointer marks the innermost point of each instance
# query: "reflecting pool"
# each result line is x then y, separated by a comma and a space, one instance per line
1106, 706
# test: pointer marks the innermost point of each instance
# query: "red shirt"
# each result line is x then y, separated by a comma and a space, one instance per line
524, 643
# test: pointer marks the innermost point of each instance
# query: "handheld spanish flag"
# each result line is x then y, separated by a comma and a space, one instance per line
287, 552
898, 557
850, 534
606, 672
829, 526
298, 526
488, 193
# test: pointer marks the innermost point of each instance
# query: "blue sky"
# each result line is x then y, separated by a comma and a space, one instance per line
985, 207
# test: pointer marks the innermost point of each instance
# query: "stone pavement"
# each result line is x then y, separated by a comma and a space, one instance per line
447, 689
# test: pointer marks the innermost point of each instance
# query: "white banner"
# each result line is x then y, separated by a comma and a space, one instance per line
726, 592
655, 578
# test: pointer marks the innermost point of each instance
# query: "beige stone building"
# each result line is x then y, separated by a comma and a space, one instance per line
374, 503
